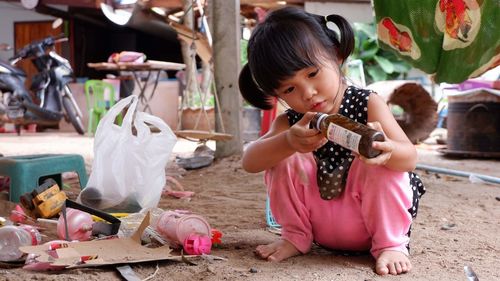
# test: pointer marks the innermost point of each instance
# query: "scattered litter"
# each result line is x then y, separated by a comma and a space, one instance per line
216, 237
154, 273
210, 269
194, 162
14, 236
44, 201
448, 226
186, 261
212, 258
175, 189
127, 273
78, 225
17, 215
106, 252
475, 179
151, 234
51, 221
184, 230
203, 156
471, 275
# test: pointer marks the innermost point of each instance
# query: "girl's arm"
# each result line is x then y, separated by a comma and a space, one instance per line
398, 152
280, 142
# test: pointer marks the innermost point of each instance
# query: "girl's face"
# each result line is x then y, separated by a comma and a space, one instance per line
313, 89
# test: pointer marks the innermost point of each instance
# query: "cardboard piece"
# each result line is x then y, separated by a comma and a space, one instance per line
104, 252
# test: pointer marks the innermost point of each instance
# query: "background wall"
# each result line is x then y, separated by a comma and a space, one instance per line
353, 12
13, 12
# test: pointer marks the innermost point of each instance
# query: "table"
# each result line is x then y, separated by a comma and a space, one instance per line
151, 66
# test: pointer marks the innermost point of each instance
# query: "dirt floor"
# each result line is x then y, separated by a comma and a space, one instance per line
457, 224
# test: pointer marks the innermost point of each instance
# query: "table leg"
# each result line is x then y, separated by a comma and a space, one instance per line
146, 105
142, 86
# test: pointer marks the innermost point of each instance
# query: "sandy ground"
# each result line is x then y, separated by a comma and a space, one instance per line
457, 224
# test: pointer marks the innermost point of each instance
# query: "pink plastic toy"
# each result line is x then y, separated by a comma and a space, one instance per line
17, 215
185, 230
196, 244
79, 225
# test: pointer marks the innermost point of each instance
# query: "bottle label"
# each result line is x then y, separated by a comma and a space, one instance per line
35, 236
343, 137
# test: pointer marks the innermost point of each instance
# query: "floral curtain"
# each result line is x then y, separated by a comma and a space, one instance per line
452, 40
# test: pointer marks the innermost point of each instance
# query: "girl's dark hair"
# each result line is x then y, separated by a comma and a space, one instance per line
289, 40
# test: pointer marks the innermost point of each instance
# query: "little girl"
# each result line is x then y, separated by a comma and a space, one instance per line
320, 192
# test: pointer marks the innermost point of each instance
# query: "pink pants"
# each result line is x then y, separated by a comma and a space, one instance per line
371, 214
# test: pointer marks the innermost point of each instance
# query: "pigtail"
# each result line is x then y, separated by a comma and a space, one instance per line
251, 92
346, 42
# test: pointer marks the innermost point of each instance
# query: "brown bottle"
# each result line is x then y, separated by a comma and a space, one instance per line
348, 133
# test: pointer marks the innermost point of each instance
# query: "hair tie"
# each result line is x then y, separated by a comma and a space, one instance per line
330, 24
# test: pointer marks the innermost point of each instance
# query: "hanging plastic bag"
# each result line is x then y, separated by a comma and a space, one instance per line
128, 171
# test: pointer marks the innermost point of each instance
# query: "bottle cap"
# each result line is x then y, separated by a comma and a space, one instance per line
317, 119
196, 244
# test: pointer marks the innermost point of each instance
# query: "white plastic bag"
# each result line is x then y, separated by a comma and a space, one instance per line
128, 171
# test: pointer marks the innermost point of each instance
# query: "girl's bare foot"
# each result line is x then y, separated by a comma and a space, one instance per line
392, 262
277, 251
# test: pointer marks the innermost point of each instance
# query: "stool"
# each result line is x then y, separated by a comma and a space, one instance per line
29, 171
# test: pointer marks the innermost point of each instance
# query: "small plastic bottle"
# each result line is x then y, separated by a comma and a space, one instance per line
348, 133
79, 225
192, 232
12, 237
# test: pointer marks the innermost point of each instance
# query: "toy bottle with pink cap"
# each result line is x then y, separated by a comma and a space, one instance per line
183, 229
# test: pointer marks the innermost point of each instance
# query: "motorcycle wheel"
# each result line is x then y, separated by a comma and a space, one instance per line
71, 111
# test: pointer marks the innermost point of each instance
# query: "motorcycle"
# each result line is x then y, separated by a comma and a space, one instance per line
49, 85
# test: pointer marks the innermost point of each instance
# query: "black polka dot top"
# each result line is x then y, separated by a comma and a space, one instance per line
334, 161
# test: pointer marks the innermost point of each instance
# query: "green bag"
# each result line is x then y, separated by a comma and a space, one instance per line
452, 40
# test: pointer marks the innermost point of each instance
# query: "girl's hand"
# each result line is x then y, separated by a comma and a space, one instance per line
303, 139
386, 147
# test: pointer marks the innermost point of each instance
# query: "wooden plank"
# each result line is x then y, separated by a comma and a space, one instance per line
169, 4
149, 65
203, 135
73, 3
203, 48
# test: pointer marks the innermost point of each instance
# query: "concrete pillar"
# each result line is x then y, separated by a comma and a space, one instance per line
225, 22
